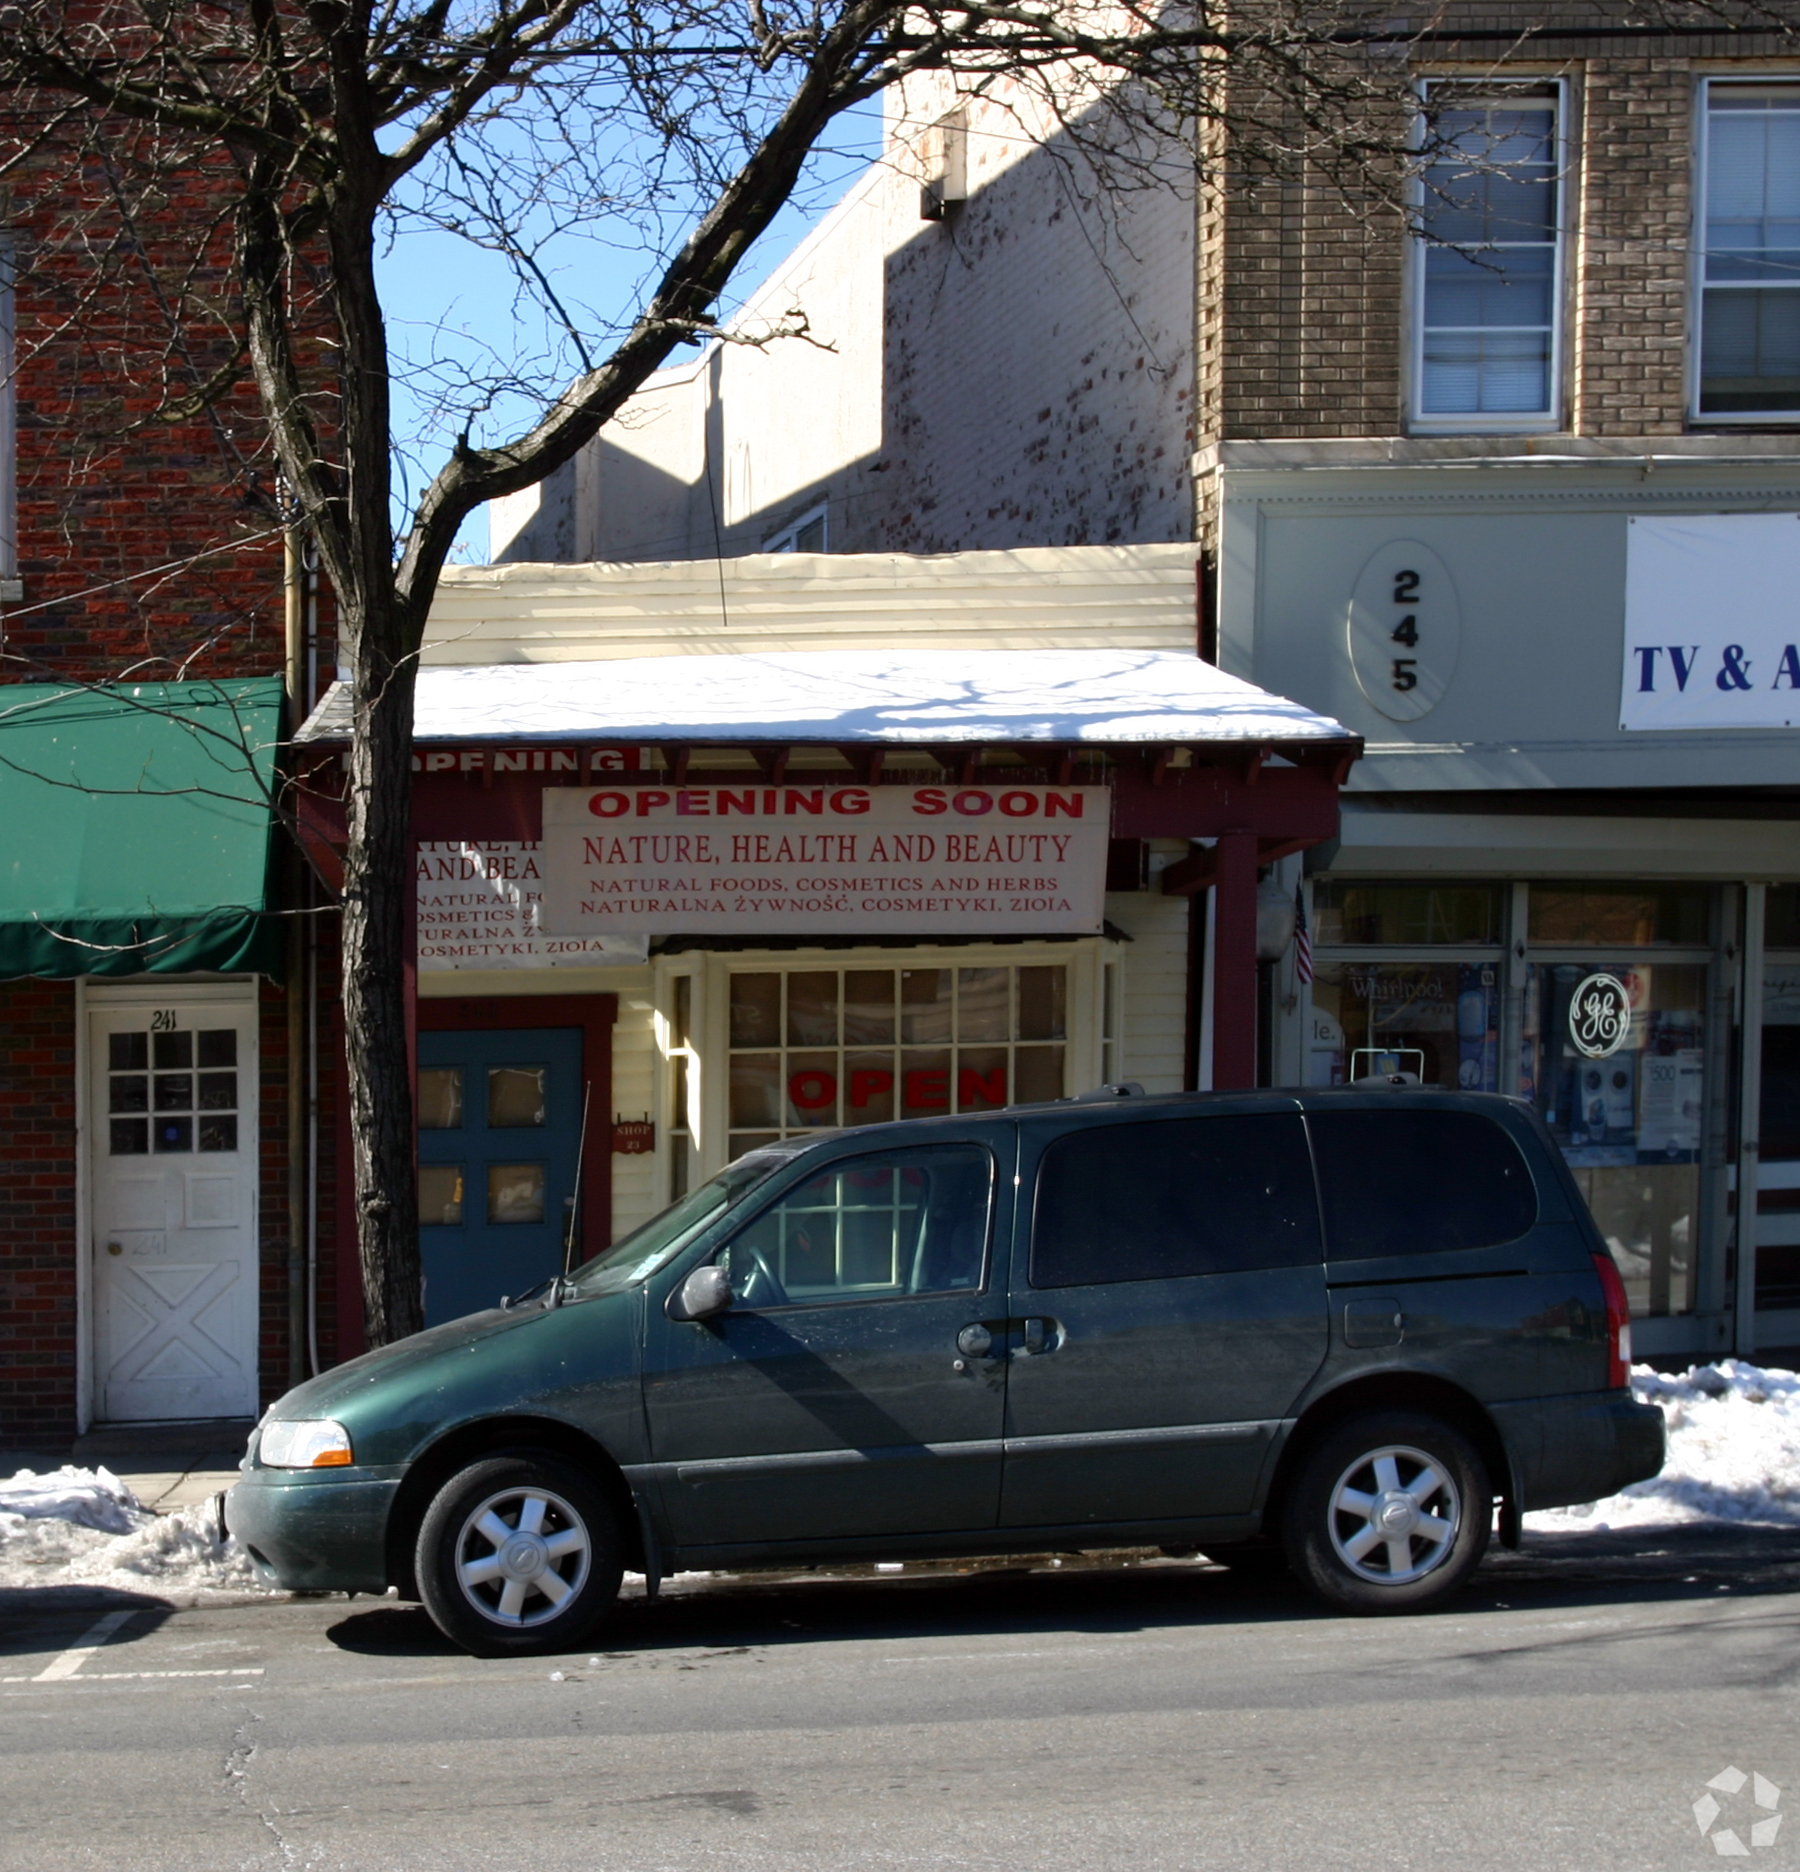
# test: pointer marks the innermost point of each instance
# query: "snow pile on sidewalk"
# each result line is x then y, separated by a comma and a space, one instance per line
1734, 1454
84, 1527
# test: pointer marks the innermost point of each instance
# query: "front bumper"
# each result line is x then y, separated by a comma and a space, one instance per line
1580, 1448
316, 1532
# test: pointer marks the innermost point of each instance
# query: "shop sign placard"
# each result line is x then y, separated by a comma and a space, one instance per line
478, 908
1671, 1108
825, 859
1712, 631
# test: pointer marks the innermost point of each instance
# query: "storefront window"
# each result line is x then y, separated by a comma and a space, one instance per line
1779, 1134
1614, 1058
1778, 1184
816, 1048
1438, 1021
1618, 915
1781, 923
1354, 913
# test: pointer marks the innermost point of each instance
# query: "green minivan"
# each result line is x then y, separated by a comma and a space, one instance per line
1324, 1330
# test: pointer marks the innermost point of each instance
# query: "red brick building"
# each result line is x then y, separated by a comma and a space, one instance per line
139, 548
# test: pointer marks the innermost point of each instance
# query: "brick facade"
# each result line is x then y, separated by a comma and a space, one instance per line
37, 1212
108, 495
1302, 294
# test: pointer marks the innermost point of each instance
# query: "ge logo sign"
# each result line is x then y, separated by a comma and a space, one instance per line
1599, 1016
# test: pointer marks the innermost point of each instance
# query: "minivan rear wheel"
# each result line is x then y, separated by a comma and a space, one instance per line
518, 1555
1390, 1513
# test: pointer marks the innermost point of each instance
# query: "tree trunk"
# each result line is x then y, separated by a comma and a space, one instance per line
378, 880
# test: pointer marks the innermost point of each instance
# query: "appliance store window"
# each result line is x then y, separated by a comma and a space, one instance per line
1749, 261
1407, 981
1413, 977
1488, 261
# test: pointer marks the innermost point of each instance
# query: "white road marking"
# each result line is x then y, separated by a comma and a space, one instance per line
66, 1668
78, 1654
121, 1676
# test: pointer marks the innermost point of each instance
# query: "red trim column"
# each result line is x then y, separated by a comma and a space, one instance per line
1233, 961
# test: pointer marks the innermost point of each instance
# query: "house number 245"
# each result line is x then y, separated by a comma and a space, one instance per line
1404, 629
1406, 592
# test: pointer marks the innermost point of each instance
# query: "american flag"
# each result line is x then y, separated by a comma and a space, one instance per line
1302, 940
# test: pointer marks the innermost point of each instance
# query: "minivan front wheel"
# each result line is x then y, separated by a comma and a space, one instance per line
518, 1555
1391, 1513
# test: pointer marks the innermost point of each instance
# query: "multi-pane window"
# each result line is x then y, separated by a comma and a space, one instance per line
815, 1048
1489, 261
1750, 252
170, 1093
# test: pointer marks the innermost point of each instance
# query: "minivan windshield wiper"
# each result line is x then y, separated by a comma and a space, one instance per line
638, 1255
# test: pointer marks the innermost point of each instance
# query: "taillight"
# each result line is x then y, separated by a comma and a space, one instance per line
1618, 1322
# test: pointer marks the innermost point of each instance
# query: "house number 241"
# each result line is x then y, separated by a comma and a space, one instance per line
1404, 629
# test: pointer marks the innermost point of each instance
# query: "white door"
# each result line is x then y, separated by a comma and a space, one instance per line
173, 1130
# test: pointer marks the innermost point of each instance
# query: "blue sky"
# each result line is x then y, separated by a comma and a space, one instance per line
446, 297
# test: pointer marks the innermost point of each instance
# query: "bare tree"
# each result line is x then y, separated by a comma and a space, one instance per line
315, 127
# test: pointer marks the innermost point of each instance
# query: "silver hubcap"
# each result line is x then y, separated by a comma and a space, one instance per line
1394, 1515
522, 1556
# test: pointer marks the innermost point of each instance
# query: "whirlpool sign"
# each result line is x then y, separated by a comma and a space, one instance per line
1712, 622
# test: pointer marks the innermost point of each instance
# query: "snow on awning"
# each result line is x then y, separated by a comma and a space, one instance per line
889, 697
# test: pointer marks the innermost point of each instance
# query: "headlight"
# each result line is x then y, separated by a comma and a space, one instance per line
314, 1443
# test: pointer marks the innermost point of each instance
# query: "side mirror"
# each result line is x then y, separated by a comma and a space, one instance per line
705, 1292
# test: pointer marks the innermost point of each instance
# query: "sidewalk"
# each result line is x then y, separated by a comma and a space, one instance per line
168, 1466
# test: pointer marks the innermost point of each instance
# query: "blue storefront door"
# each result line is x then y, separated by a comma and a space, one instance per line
499, 1132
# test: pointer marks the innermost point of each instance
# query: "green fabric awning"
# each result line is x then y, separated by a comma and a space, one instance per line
135, 828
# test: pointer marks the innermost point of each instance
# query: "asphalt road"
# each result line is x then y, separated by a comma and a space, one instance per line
1565, 1713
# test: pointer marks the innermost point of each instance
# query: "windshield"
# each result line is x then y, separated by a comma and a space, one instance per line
636, 1256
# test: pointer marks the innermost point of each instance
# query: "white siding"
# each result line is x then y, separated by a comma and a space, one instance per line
1040, 598
1155, 1011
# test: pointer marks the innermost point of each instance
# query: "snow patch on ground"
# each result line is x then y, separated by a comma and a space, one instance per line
1734, 1454
84, 1527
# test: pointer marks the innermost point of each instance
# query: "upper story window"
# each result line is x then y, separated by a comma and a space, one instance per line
806, 534
1750, 253
1488, 283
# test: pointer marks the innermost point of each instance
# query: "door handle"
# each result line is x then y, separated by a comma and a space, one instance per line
975, 1341
1037, 1336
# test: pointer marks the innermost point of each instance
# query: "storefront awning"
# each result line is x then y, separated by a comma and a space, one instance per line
137, 821
882, 697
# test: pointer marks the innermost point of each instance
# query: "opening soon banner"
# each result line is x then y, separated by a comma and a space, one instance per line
818, 859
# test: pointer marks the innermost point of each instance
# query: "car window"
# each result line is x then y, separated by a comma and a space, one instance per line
637, 1255
870, 1228
1177, 1197
1418, 1182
